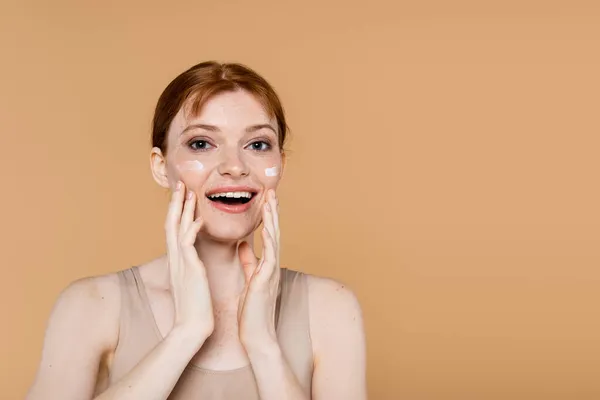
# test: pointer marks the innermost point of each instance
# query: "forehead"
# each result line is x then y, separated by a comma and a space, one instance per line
228, 111
238, 108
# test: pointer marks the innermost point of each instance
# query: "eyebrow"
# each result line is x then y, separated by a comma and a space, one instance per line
213, 128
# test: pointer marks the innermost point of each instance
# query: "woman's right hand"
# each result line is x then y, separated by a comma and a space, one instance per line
189, 283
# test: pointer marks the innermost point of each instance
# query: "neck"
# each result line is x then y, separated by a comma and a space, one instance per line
223, 268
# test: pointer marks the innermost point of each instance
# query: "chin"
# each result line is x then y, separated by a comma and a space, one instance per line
227, 233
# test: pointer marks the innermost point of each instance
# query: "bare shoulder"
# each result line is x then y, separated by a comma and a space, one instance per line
334, 311
81, 330
94, 293
331, 296
94, 286
338, 340
90, 304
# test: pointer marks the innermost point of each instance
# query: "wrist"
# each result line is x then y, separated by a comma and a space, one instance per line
268, 349
189, 338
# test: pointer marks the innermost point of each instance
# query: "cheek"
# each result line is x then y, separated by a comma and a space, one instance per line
266, 169
193, 173
270, 173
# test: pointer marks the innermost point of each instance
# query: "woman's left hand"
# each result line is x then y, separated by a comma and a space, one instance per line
256, 309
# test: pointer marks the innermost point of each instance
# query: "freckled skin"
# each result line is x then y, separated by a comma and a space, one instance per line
228, 156
83, 329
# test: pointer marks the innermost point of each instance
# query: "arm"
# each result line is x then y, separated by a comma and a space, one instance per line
274, 378
336, 327
256, 313
338, 344
82, 328
156, 375
338, 341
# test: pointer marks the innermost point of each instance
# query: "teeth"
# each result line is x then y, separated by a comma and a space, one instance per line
231, 194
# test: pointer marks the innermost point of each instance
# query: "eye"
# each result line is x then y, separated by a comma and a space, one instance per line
260, 145
199, 145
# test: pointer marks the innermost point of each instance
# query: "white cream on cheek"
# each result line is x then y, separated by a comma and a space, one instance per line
191, 169
194, 165
273, 171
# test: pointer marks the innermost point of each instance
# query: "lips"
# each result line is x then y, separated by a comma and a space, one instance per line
233, 189
232, 199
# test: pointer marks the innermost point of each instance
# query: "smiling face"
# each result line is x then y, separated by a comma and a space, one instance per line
229, 155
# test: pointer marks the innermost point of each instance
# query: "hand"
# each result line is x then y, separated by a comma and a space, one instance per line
256, 310
189, 284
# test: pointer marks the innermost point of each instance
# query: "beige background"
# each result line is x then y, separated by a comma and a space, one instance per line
444, 165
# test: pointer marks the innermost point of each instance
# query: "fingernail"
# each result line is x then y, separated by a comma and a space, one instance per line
267, 207
190, 194
179, 185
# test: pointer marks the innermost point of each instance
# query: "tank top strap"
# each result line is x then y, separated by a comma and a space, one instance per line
136, 333
292, 297
293, 324
132, 293
137, 337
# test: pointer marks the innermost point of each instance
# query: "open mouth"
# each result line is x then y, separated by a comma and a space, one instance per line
232, 198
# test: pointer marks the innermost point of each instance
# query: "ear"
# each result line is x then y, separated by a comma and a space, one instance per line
158, 165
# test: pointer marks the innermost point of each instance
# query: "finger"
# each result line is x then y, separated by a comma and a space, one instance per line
174, 210
190, 255
188, 238
275, 213
268, 218
272, 221
188, 251
269, 260
173, 218
187, 216
193, 265
247, 259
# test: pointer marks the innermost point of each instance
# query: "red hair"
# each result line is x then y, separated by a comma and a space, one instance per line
205, 80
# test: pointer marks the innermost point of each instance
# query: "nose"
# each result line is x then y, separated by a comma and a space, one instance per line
232, 163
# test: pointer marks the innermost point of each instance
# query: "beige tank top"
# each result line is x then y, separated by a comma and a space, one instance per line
139, 334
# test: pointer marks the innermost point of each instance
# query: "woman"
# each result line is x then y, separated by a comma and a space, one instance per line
209, 320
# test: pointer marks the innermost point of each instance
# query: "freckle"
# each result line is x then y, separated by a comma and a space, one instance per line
50, 365
102, 297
